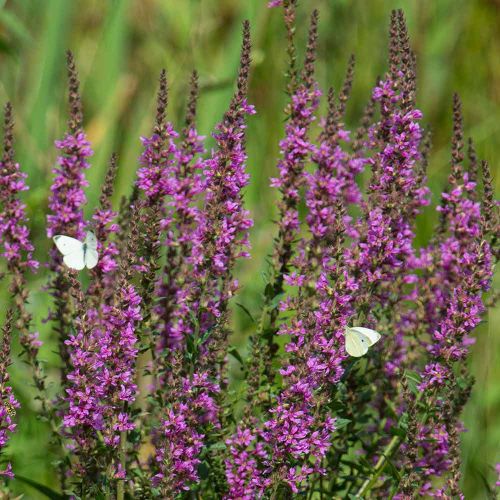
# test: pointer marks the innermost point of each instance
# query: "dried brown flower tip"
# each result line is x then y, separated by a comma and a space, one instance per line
312, 42
75, 102
407, 62
8, 138
242, 83
394, 48
457, 156
161, 104
473, 163
491, 219
331, 125
192, 101
108, 186
347, 86
290, 14
5, 343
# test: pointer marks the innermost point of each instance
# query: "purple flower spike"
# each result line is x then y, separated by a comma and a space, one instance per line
14, 233
8, 403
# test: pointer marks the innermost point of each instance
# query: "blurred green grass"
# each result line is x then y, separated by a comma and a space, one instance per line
120, 47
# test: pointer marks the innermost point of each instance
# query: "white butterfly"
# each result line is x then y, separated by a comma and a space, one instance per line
359, 339
76, 254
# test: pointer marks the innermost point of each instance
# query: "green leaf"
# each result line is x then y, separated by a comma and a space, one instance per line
366, 464
190, 346
203, 470
194, 320
341, 422
246, 311
392, 470
234, 352
45, 490
403, 421
413, 379
218, 446
397, 431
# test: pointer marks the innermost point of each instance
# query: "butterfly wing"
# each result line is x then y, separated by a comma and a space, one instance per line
371, 335
91, 240
91, 258
75, 260
72, 250
67, 245
356, 344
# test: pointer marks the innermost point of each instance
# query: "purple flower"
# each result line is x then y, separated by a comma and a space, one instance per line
225, 179
178, 441
157, 159
246, 471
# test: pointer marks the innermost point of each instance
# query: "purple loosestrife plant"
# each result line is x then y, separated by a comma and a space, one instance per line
218, 239
101, 385
295, 149
66, 204
18, 249
147, 405
460, 262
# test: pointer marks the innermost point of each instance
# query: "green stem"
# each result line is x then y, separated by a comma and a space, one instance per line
389, 451
120, 487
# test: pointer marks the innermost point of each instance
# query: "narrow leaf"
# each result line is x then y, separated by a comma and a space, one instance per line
45, 490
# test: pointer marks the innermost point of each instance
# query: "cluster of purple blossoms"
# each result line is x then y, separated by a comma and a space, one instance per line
157, 159
293, 442
101, 383
333, 181
384, 248
178, 440
295, 149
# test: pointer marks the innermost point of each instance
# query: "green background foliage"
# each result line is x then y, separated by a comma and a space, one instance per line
120, 47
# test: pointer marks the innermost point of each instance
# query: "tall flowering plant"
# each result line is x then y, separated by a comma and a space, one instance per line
145, 405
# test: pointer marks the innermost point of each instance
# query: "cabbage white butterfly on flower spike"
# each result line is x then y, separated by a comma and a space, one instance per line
358, 340
77, 254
